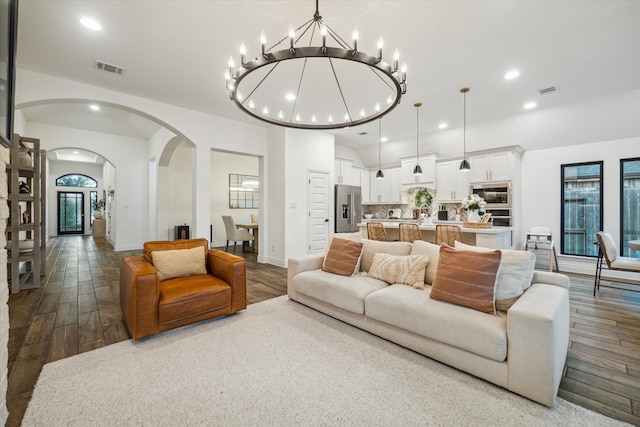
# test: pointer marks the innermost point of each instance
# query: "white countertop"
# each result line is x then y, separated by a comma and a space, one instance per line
394, 223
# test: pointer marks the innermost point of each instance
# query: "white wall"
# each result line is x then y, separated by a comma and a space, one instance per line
541, 190
222, 164
129, 157
59, 168
180, 188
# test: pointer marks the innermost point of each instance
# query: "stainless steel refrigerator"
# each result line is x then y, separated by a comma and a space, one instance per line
348, 208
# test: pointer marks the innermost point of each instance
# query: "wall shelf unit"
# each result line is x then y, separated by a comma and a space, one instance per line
26, 245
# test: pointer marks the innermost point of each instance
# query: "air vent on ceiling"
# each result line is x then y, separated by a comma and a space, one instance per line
110, 68
547, 90
362, 133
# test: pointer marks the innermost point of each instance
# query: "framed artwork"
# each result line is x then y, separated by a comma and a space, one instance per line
244, 191
485, 218
8, 35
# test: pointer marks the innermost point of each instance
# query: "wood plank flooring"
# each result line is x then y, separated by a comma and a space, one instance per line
77, 310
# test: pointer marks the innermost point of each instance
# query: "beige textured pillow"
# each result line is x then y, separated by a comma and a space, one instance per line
420, 247
514, 275
467, 278
372, 247
179, 262
408, 269
343, 257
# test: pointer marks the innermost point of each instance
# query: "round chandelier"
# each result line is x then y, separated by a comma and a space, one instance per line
315, 80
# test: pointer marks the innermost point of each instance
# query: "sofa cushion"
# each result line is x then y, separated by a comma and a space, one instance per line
347, 293
372, 247
408, 269
420, 247
185, 297
179, 262
412, 310
343, 257
467, 278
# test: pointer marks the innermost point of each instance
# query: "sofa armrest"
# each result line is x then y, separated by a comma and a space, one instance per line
300, 264
538, 337
139, 295
550, 278
233, 270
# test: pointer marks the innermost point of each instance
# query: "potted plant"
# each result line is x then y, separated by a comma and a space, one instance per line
98, 206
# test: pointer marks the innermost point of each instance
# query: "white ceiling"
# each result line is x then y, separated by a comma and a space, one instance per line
176, 52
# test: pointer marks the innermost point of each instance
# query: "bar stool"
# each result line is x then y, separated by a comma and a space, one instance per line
376, 231
539, 238
408, 232
448, 234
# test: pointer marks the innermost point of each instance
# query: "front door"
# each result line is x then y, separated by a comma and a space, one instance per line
70, 212
318, 216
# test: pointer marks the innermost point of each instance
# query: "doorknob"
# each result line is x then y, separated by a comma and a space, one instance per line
326, 220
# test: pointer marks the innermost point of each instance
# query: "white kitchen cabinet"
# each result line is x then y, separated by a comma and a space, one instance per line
452, 184
365, 186
387, 189
342, 171
489, 167
428, 165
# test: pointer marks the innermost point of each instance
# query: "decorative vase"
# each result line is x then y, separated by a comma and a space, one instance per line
473, 216
97, 214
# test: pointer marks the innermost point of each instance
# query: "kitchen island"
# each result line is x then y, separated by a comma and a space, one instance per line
494, 237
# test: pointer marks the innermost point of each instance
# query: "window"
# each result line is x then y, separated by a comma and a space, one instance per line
244, 191
76, 180
93, 197
581, 208
629, 204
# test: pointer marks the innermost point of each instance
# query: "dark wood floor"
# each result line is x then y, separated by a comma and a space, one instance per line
77, 310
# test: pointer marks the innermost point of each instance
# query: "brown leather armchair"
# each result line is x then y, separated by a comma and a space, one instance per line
150, 306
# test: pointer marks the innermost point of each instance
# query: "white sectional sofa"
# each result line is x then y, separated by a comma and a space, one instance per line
522, 349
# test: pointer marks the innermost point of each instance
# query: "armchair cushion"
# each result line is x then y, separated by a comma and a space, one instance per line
179, 262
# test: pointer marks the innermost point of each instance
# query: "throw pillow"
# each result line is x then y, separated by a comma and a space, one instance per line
420, 247
514, 274
467, 278
343, 257
408, 269
179, 262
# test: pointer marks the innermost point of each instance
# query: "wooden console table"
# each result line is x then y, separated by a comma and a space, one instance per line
99, 228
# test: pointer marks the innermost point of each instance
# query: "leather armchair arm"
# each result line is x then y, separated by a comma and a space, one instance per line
139, 294
232, 269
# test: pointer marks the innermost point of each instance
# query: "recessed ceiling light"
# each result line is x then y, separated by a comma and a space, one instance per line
529, 105
290, 97
442, 126
512, 74
94, 107
384, 139
76, 152
91, 24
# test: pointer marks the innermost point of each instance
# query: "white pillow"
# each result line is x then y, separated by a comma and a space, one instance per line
406, 269
432, 251
179, 262
514, 274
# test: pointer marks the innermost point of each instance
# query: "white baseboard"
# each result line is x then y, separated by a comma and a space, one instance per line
580, 265
273, 261
131, 247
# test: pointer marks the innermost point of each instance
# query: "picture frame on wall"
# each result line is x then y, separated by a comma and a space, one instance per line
8, 36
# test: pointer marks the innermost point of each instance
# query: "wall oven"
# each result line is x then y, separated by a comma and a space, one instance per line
498, 198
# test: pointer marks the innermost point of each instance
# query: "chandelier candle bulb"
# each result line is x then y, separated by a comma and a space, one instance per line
280, 115
231, 63
396, 58
243, 53
263, 41
330, 120
355, 36
323, 33
380, 46
292, 36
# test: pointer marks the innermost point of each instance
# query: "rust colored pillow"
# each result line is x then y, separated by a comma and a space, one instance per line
467, 278
343, 257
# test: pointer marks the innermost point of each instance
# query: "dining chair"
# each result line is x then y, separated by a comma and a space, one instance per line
254, 218
235, 234
539, 238
448, 234
376, 231
609, 253
408, 232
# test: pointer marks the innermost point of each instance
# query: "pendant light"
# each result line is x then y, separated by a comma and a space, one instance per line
379, 174
417, 170
465, 166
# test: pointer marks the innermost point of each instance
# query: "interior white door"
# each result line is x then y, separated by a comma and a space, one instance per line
318, 211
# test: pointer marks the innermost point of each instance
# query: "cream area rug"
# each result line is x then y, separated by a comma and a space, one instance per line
278, 363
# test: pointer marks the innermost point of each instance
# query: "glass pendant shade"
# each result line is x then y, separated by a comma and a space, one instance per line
379, 174
417, 170
465, 166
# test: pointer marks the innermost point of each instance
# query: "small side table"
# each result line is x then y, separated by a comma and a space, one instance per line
99, 228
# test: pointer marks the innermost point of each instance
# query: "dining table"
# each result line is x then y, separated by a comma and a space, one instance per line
253, 229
